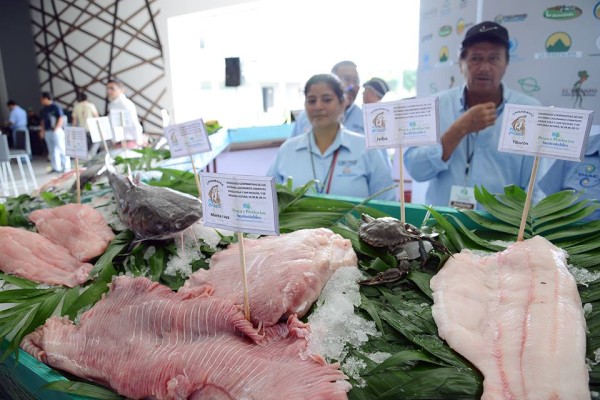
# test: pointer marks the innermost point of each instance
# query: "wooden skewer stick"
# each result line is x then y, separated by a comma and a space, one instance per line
402, 211
78, 180
196, 177
536, 161
102, 137
240, 236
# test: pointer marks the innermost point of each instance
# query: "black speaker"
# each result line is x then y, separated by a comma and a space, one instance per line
233, 74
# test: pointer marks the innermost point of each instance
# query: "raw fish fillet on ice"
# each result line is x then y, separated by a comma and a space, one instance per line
145, 341
32, 256
285, 273
78, 227
517, 316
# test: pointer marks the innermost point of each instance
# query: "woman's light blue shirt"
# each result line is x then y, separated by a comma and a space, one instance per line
357, 172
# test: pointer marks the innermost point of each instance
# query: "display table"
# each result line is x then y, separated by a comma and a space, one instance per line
25, 379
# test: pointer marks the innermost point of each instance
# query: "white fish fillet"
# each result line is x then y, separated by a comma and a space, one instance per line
517, 316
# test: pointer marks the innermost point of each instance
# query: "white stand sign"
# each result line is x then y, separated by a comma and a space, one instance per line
411, 122
76, 142
99, 129
187, 138
545, 131
240, 203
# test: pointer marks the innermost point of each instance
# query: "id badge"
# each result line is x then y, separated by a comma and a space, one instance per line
462, 197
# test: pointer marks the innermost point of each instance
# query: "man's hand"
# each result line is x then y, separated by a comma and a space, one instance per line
478, 117
475, 119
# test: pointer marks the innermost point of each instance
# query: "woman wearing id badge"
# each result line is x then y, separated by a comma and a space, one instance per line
470, 122
335, 158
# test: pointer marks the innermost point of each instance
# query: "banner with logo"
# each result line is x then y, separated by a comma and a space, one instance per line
411, 122
554, 48
187, 138
545, 131
240, 203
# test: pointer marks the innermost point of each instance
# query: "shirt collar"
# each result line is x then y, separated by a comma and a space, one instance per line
341, 140
463, 99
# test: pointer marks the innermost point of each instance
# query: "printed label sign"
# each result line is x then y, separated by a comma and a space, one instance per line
545, 131
412, 122
240, 203
99, 129
124, 120
187, 138
76, 143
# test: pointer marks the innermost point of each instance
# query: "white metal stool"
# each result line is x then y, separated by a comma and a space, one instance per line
6, 174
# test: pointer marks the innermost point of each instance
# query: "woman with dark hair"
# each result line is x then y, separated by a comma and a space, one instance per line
83, 110
335, 158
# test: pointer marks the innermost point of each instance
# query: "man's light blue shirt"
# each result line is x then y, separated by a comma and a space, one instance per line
488, 167
357, 172
352, 120
18, 119
579, 176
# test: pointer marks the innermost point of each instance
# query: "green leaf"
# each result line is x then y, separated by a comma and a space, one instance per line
83, 389
449, 231
401, 358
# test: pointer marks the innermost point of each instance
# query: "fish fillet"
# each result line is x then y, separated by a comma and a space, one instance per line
145, 341
78, 227
32, 256
285, 273
517, 316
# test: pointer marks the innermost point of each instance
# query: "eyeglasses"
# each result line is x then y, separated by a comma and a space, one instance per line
350, 80
476, 60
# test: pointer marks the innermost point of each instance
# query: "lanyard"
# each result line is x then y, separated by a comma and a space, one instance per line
329, 176
470, 154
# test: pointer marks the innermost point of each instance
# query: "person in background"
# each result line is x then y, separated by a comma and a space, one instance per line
352, 118
17, 121
579, 176
83, 110
374, 90
331, 155
51, 130
470, 119
118, 101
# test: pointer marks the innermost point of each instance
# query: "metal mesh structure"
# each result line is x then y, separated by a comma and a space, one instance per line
81, 43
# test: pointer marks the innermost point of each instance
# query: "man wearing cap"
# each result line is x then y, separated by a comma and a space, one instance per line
352, 119
470, 122
374, 90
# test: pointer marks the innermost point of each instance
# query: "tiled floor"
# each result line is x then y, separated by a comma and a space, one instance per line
39, 165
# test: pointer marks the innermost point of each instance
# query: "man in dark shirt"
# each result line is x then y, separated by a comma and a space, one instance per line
51, 130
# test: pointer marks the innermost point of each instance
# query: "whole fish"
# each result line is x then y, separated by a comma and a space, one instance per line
153, 213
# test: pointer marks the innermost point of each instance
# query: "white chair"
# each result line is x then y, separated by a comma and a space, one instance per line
6, 155
6, 174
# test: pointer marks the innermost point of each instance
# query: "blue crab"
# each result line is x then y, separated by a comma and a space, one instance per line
405, 241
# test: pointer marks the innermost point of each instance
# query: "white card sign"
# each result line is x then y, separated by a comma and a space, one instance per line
124, 120
187, 138
76, 142
99, 129
545, 131
411, 122
240, 203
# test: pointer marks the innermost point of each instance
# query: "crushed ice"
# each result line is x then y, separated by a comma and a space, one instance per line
334, 324
583, 276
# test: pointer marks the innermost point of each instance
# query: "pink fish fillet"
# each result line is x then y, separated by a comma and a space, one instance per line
517, 316
145, 341
285, 273
78, 227
32, 256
